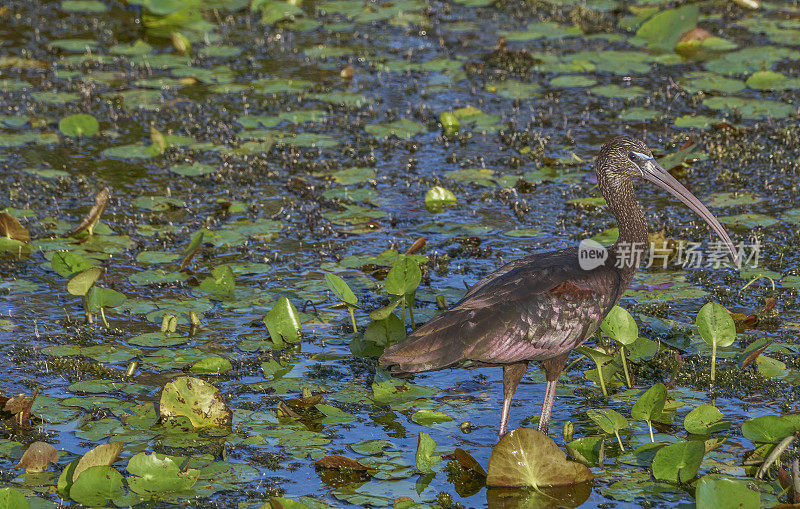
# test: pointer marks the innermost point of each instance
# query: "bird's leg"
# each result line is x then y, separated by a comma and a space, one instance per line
552, 369
512, 374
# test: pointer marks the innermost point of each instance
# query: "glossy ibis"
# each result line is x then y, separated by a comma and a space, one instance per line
540, 307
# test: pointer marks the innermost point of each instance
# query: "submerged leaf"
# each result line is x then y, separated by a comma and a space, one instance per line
338, 462
425, 459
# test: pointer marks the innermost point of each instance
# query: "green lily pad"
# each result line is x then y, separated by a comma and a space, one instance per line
748, 220
193, 170
154, 475
197, 400
93, 6
78, 125
663, 30
402, 128
513, 89
616, 91
750, 108
714, 491
704, 420
679, 462
543, 30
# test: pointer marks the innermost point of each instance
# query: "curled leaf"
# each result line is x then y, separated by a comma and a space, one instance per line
13, 229
90, 219
37, 457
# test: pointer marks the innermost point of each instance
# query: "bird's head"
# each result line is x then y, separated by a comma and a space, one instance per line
624, 158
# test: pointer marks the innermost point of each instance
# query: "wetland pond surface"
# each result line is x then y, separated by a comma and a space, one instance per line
252, 148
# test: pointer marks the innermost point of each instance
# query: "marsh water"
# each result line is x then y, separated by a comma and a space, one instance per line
302, 138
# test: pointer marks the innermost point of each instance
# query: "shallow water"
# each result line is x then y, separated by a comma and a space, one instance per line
287, 205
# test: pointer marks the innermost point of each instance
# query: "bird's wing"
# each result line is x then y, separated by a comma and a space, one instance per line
534, 311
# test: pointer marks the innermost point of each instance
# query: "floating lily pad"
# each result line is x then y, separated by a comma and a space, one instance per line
512, 89
750, 108
402, 128
197, 400
748, 220
616, 91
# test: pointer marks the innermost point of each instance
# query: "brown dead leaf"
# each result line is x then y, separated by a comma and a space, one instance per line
285, 411
416, 246
467, 462
88, 222
13, 229
307, 402
37, 457
695, 35
102, 455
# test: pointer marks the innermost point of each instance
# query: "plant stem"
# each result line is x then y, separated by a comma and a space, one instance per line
86, 310
411, 314
713, 359
796, 478
616, 434
650, 427
353, 319
103, 316
403, 307
602, 382
625, 366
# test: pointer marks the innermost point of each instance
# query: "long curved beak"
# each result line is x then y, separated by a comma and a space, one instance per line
654, 173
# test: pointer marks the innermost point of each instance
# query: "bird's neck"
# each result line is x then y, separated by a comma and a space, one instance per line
631, 248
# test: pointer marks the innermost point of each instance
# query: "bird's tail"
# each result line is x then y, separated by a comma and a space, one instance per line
432, 346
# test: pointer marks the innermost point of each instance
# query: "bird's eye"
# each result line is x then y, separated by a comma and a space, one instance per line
632, 157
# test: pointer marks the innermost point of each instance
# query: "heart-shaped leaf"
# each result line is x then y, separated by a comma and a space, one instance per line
705, 419
678, 462
620, 326
715, 325
283, 322
81, 283
404, 276
650, 404
528, 457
